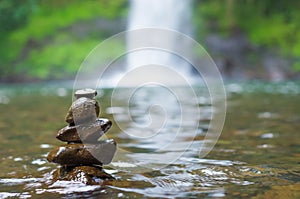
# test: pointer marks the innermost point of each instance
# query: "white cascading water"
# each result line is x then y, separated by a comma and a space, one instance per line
165, 14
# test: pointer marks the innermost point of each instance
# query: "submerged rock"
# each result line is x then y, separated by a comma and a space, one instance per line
80, 154
83, 110
90, 175
88, 133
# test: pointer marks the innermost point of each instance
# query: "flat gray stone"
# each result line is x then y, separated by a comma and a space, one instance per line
87, 92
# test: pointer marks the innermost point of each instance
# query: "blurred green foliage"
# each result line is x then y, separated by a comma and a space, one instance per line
13, 13
267, 23
37, 40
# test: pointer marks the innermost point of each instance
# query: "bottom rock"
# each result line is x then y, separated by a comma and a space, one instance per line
89, 175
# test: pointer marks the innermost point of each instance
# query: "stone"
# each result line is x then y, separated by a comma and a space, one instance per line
87, 92
87, 133
89, 175
82, 110
81, 159
80, 154
105, 151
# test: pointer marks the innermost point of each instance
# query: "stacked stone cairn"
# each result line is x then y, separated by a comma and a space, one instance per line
83, 156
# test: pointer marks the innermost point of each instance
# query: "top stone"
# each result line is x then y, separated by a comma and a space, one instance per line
87, 92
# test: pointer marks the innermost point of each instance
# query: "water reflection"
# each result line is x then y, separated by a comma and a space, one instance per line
4, 99
161, 124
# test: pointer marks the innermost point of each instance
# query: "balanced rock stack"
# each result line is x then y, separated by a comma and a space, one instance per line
83, 155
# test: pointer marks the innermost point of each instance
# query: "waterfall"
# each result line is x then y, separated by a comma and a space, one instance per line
165, 14
170, 14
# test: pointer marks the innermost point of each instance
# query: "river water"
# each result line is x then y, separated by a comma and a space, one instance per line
257, 154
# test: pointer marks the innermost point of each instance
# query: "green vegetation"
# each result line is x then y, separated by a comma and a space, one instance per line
38, 39
267, 23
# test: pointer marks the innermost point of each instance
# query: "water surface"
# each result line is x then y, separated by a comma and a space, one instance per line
256, 156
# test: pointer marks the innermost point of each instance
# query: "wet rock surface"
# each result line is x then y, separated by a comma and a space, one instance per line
83, 110
84, 133
90, 175
83, 155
